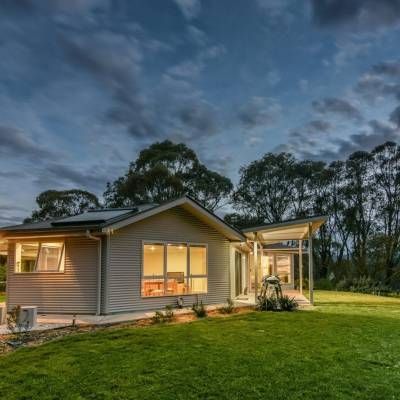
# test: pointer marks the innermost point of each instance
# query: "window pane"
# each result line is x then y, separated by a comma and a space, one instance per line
198, 285
49, 256
153, 260
153, 287
176, 269
283, 268
198, 260
25, 257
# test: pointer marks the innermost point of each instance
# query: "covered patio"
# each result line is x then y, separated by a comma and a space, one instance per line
269, 237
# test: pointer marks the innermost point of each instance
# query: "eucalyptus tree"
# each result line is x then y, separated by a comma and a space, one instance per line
360, 199
266, 188
62, 203
387, 185
164, 171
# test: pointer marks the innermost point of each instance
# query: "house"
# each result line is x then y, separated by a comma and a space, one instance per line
144, 258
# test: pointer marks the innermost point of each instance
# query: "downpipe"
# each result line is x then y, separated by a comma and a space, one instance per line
98, 240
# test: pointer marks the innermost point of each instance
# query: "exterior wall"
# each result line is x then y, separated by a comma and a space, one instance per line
73, 291
125, 260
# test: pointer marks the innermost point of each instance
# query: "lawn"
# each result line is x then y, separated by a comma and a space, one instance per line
347, 348
2, 297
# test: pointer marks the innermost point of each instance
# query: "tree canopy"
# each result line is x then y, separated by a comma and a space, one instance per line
165, 171
361, 196
54, 204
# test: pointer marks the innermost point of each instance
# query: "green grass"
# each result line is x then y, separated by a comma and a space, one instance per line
2, 297
347, 348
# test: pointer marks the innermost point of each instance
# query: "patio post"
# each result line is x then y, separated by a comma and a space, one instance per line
255, 265
310, 264
301, 266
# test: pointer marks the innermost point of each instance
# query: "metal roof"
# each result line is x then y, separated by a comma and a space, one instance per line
95, 216
294, 229
111, 219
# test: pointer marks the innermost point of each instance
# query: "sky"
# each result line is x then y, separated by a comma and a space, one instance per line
86, 84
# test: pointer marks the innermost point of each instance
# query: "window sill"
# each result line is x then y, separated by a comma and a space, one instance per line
39, 273
174, 295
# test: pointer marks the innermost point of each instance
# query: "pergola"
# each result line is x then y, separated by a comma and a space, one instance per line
296, 229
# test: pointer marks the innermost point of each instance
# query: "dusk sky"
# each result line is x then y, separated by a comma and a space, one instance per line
86, 84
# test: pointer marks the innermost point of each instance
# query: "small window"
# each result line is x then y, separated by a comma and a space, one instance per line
39, 257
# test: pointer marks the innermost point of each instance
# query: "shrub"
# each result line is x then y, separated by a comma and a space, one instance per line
365, 284
287, 303
267, 303
229, 308
272, 303
161, 317
199, 309
324, 284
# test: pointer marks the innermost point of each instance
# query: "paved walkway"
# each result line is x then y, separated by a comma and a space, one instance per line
302, 301
54, 321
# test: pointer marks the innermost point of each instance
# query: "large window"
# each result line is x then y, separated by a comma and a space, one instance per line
174, 269
39, 257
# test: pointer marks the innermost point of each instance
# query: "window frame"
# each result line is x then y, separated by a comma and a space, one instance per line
187, 277
36, 271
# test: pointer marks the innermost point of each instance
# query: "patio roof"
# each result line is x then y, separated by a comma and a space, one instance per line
294, 229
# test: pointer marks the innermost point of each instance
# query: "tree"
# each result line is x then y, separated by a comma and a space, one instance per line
387, 178
240, 221
164, 171
360, 199
54, 204
265, 189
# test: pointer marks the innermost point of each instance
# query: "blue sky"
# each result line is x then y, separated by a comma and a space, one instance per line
86, 84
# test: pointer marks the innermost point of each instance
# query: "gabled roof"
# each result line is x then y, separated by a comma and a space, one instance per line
294, 229
104, 220
189, 204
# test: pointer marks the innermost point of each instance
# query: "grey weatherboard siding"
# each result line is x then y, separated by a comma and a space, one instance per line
125, 260
72, 291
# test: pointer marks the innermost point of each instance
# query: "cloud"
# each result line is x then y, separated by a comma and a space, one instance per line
319, 125
350, 49
189, 8
192, 68
60, 176
333, 148
277, 11
388, 68
395, 116
54, 6
303, 85
259, 111
382, 80
114, 61
340, 107
200, 116
356, 14
273, 77
196, 35
14, 143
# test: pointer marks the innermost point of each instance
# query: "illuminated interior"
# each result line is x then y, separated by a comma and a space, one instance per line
174, 269
39, 257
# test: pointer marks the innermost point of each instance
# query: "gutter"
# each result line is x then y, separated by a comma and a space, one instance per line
98, 240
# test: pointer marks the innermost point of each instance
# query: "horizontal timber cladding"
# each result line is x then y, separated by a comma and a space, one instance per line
73, 291
125, 260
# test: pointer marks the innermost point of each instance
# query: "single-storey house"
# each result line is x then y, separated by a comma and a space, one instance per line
146, 257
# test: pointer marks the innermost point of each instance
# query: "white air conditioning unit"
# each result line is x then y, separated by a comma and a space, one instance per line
28, 317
